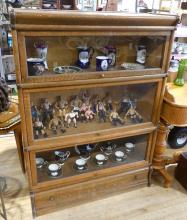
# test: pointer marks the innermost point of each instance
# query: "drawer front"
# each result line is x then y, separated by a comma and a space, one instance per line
51, 200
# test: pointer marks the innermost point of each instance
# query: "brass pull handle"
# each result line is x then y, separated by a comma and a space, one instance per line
51, 198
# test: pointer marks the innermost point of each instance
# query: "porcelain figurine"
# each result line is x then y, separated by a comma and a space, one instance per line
35, 112
39, 129
133, 114
124, 105
60, 103
101, 111
83, 109
71, 117
115, 119
108, 102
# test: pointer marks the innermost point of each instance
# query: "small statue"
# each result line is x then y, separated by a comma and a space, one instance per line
101, 111
124, 105
76, 104
83, 109
71, 117
60, 103
133, 114
39, 128
115, 118
35, 113
89, 114
47, 111
56, 123
108, 102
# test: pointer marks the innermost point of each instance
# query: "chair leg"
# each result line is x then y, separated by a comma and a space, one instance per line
18, 137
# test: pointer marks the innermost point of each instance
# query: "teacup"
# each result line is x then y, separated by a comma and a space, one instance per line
102, 63
36, 66
61, 156
39, 162
100, 159
129, 147
54, 169
120, 155
80, 164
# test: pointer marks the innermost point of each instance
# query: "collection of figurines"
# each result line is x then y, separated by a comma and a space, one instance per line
105, 151
61, 114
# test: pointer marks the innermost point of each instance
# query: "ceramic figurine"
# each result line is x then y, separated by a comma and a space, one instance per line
101, 111
60, 103
83, 109
89, 114
76, 104
108, 102
39, 128
115, 119
133, 114
71, 117
86, 98
56, 123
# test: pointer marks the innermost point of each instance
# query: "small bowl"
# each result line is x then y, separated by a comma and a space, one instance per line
80, 164
120, 155
100, 159
39, 162
132, 66
67, 6
129, 147
54, 169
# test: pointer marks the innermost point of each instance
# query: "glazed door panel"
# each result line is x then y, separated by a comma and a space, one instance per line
62, 113
79, 57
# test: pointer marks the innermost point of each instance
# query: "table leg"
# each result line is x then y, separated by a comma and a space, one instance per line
18, 137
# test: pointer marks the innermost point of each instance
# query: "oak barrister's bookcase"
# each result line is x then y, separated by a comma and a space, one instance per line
124, 104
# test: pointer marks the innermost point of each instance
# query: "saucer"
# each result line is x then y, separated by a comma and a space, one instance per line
57, 176
75, 167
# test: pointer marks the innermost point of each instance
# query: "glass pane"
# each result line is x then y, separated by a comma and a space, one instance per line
60, 113
90, 157
70, 55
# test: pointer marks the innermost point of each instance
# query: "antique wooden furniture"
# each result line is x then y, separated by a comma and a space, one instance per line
70, 111
10, 121
174, 112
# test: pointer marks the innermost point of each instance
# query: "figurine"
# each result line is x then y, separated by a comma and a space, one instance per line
108, 101
101, 111
39, 128
71, 117
47, 111
115, 118
76, 103
124, 105
35, 112
86, 98
56, 123
89, 114
60, 103
83, 109
134, 115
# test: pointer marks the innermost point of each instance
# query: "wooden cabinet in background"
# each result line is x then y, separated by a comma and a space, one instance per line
70, 111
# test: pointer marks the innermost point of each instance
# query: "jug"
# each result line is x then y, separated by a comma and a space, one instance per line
84, 56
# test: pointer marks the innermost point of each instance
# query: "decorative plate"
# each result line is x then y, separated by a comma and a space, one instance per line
67, 69
132, 66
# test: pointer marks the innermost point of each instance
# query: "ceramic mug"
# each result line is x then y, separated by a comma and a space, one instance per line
61, 155
120, 155
100, 159
102, 63
39, 162
35, 66
54, 169
84, 56
80, 164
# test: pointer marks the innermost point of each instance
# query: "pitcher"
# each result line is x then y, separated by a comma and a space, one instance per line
84, 56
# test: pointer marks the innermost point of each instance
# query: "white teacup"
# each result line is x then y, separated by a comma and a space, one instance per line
120, 155
54, 169
129, 147
39, 162
100, 159
80, 163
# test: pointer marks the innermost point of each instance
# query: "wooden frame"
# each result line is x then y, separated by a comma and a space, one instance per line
50, 195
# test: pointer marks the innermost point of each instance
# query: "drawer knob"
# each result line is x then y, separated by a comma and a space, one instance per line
102, 75
51, 198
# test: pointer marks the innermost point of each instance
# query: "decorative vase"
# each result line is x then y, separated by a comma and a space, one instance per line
179, 81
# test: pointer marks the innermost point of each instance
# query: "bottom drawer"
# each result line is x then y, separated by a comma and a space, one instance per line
51, 200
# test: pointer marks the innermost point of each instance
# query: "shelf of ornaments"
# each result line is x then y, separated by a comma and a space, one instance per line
68, 167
